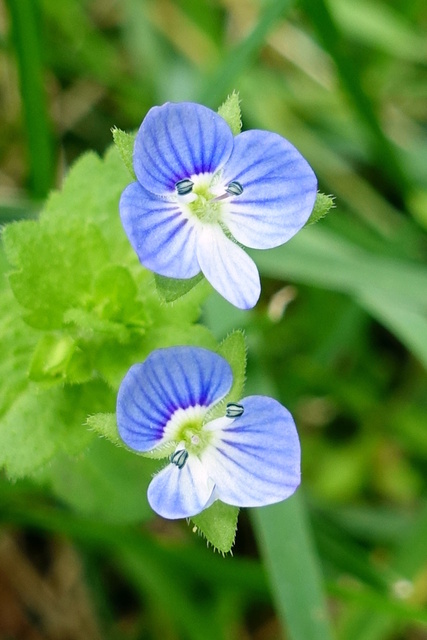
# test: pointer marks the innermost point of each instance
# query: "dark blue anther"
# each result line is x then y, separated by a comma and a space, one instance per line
234, 188
184, 186
234, 410
179, 458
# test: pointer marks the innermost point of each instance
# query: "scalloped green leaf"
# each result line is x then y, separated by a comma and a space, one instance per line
53, 273
40, 423
91, 309
55, 357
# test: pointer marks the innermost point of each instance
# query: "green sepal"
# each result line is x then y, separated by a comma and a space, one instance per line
218, 524
230, 111
125, 143
164, 451
171, 289
233, 349
322, 206
105, 425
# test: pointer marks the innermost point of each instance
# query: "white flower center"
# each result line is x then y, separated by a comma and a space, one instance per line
186, 428
206, 197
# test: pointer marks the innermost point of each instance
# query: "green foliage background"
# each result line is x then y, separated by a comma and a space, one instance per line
339, 336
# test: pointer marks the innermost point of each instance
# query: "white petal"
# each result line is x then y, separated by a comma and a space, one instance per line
180, 493
227, 267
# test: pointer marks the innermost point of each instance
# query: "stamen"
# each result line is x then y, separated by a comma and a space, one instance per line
234, 410
184, 186
234, 188
179, 458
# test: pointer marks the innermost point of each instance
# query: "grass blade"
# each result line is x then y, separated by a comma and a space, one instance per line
335, 45
239, 58
27, 40
392, 290
285, 542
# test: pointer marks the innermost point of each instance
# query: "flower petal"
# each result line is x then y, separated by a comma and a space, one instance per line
279, 190
169, 380
176, 141
163, 239
254, 460
227, 267
180, 493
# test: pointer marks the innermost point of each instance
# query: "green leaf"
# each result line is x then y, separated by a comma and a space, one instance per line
125, 143
91, 193
171, 289
17, 342
103, 470
56, 261
89, 324
174, 335
322, 206
115, 297
218, 525
51, 358
93, 311
231, 112
39, 423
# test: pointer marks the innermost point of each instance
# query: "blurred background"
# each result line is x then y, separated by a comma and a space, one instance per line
339, 336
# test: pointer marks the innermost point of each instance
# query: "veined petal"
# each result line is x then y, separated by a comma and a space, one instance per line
162, 237
254, 460
176, 141
279, 190
180, 493
167, 381
227, 267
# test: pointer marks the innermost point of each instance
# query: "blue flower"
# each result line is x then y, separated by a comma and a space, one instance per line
249, 457
202, 192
